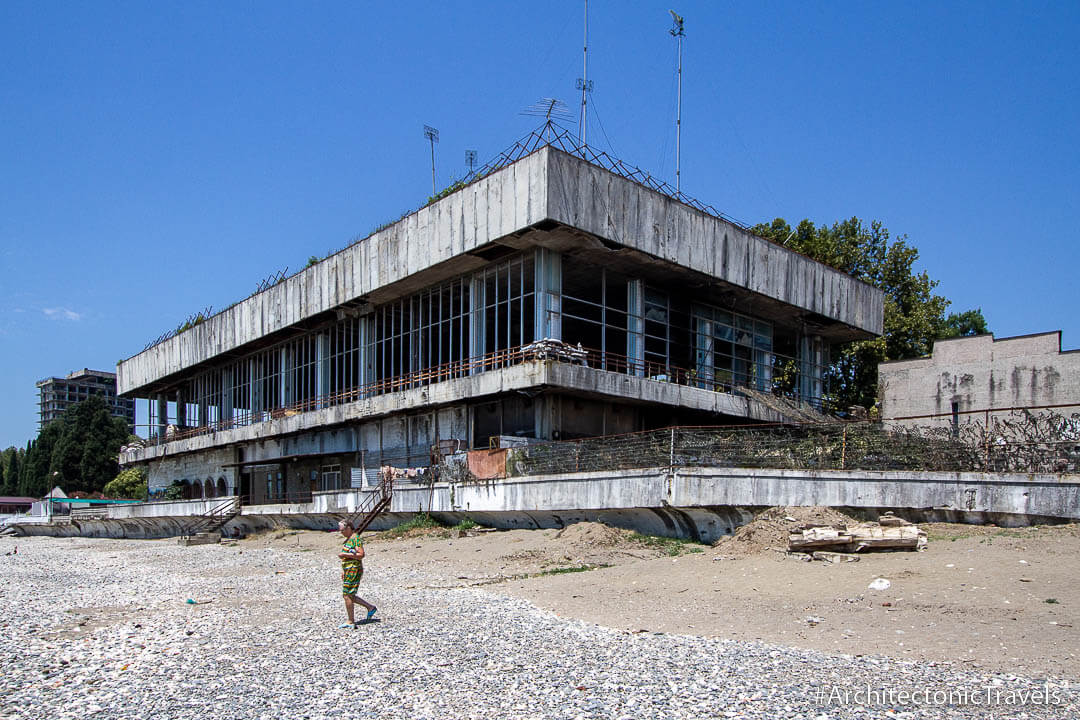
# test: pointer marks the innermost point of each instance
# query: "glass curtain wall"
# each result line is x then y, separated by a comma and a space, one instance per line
477, 322
425, 337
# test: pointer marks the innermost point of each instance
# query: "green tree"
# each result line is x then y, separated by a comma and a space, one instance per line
128, 484
78, 451
963, 324
35, 478
10, 469
86, 452
914, 315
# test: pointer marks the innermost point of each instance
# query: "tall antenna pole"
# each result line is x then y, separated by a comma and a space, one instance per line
677, 32
433, 135
584, 77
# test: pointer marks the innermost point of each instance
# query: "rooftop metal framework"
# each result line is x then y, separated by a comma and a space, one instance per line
550, 134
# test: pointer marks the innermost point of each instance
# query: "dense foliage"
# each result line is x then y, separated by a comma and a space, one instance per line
914, 314
129, 484
78, 452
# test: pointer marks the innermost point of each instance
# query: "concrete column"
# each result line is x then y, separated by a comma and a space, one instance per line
477, 295
162, 418
181, 409
635, 326
201, 418
286, 378
364, 343
548, 284
225, 412
322, 368
255, 394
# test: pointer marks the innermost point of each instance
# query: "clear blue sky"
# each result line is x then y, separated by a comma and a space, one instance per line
158, 158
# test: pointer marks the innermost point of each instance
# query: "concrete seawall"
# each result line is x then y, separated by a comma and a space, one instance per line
699, 503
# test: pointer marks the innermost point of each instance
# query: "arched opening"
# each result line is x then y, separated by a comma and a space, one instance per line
185, 490
222, 488
196, 490
208, 488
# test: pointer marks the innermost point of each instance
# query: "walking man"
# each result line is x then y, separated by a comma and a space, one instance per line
352, 569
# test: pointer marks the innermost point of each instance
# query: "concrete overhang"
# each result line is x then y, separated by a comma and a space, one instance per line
547, 198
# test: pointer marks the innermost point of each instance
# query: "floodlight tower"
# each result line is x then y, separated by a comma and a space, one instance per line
677, 33
433, 135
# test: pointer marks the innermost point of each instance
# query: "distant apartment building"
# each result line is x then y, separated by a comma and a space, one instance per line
58, 394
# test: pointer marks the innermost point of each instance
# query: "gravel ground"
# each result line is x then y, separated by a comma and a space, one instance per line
101, 629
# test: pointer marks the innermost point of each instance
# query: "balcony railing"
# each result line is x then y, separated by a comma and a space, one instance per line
714, 380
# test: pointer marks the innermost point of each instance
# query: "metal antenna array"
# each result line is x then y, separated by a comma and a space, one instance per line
677, 33
470, 160
432, 135
584, 84
551, 109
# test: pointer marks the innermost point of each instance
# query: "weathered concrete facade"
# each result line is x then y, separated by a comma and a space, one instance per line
550, 299
980, 373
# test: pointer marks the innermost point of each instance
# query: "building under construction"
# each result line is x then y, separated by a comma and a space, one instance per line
57, 394
558, 295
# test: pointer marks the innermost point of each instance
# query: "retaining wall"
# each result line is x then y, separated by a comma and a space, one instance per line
699, 503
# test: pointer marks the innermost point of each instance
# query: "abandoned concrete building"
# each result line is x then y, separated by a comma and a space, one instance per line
551, 298
971, 377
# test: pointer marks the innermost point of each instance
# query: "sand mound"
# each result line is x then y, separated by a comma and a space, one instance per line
590, 535
770, 529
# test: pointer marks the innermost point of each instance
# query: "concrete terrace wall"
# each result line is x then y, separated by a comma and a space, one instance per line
506, 201
610, 206
701, 503
980, 373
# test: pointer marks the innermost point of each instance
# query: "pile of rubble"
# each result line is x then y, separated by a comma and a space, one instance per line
888, 533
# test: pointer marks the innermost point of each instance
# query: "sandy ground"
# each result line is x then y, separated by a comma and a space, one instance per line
1004, 600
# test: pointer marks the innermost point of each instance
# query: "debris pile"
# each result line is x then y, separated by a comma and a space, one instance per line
889, 533
770, 528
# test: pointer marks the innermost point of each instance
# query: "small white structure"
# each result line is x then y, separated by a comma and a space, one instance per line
44, 507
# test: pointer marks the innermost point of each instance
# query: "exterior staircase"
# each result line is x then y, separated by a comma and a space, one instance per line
373, 505
207, 527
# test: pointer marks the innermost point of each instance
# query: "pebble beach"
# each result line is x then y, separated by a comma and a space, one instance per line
105, 629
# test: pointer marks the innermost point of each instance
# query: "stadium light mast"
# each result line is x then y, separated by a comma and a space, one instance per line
677, 33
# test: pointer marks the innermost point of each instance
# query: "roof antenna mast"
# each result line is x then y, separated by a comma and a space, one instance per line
433, 136
677, 33
583, 83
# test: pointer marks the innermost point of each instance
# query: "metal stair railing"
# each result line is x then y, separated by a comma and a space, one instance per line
373, 505
215, 518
